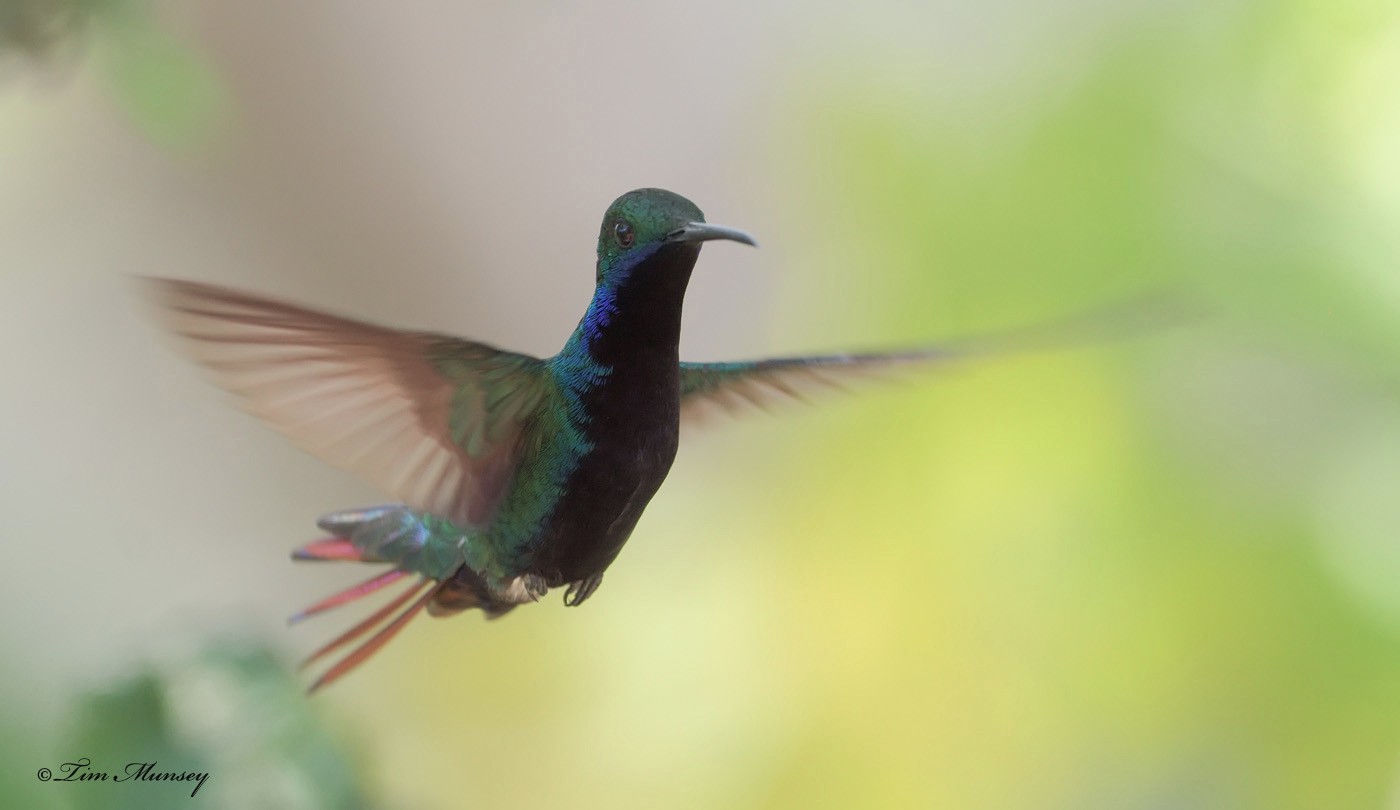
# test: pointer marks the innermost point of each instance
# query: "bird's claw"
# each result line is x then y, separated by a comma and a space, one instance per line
580, 590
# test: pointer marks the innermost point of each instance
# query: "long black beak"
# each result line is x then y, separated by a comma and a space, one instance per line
705, 232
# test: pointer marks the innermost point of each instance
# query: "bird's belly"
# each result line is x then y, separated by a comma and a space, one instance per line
603, 500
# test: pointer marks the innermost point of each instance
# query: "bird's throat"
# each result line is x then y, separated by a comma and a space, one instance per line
636, 313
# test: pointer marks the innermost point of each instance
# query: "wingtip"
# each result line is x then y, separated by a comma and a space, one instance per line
155, 290
160, 300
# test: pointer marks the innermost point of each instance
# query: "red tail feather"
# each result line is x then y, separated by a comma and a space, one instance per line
365, 626
331, 548
379, 639
350, 594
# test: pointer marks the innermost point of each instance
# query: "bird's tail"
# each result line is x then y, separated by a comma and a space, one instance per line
415, 544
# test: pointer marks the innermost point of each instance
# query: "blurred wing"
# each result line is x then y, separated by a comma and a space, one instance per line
728, 387
433, 420
708, 388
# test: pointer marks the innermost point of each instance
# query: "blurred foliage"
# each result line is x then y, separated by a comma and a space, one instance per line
36, 27
171, 93
232, 711
19, 786
167, 89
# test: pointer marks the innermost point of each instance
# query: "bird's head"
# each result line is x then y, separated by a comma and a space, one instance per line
643, 223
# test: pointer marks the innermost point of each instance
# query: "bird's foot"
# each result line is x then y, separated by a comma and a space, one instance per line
580, 590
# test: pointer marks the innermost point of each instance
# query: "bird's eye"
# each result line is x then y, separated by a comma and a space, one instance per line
624, 234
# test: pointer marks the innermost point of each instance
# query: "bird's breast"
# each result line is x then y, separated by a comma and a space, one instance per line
632, 428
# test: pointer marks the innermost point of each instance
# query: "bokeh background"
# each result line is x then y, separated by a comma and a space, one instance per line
1162, 573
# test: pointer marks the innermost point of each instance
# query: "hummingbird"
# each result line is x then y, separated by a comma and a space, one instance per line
513, 474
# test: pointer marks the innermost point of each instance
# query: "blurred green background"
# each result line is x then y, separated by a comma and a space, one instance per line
1155, 574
